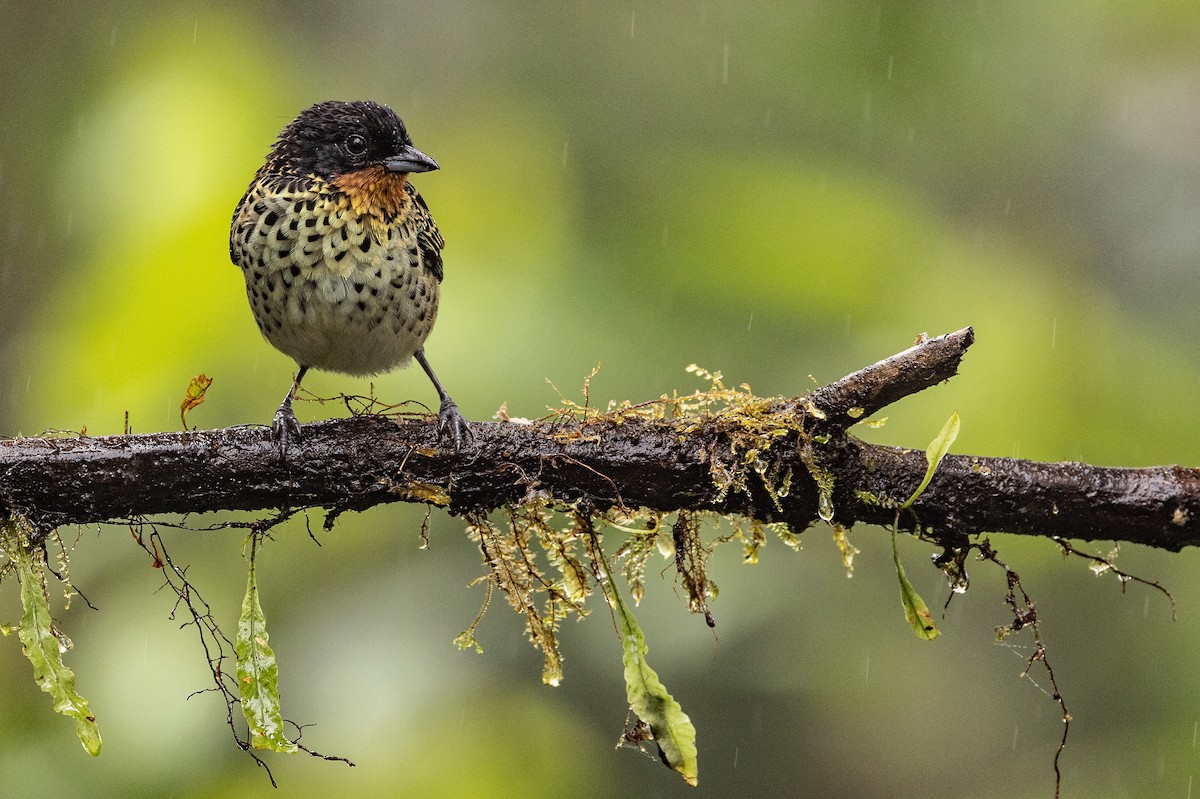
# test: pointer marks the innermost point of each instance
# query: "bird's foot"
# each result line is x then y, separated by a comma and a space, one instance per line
285, 429
453, 425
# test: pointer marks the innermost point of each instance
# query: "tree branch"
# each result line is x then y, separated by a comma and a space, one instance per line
617, 460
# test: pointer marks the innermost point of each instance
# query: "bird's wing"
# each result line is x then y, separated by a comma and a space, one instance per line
429, 239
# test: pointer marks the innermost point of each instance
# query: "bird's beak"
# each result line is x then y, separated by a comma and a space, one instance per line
410, 159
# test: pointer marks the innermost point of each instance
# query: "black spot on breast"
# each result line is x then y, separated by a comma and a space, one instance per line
281, 235
270, 219
397, 282
271, 285
313, 237
374, 291
339, 255
295, 270
366, 244
422, 289
360, 287
311, 221
362, 305
284, 253
412, 296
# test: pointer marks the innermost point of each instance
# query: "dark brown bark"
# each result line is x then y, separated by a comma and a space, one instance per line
662, 465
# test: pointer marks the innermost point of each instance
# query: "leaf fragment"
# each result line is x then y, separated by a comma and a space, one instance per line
193, 396
915, 609
258, 673
41, 643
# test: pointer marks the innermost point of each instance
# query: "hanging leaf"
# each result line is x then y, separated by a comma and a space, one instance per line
42, 645
669, 726
193, 396
915, 609
934, 453
258, 673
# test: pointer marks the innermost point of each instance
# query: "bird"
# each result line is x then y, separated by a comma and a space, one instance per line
341, 256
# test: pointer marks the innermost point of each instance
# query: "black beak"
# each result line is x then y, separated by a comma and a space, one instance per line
410, 159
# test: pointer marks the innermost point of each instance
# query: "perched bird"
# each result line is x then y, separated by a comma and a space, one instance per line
342, 259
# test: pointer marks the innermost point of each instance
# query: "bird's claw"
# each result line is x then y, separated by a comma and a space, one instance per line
453, 425
285, 430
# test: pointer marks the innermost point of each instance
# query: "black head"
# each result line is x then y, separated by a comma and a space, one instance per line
336, 137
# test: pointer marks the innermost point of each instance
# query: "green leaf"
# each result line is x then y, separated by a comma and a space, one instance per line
648, 698
42, 646
934, 453
258, 673
915, 609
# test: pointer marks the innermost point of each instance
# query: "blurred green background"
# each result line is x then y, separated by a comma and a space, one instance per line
784, 192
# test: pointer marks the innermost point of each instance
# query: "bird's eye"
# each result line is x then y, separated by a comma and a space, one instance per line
355, 144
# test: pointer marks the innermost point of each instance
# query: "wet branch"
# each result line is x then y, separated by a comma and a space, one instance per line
606, 461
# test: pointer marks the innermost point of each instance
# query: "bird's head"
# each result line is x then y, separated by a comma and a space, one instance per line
336, 138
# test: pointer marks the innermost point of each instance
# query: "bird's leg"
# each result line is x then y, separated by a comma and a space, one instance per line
450, 421
285, 427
